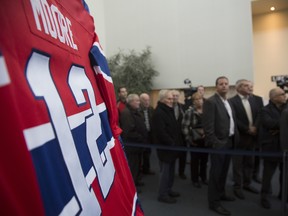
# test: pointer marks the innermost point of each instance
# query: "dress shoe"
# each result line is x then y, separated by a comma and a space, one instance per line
220, 210
239, 193
227, 198
251, 189
196, 184
174, 194
265, 203
167, 199
182, 176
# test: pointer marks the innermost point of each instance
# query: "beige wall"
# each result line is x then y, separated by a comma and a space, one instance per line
270, 38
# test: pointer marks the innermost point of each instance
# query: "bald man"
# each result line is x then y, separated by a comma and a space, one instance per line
147, 111
270, 140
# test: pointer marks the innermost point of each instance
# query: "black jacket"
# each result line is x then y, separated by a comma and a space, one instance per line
133, 126
270, 119
166, 132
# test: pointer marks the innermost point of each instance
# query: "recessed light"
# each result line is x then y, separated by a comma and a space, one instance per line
272, 8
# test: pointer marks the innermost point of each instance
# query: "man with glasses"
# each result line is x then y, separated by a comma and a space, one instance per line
270, 140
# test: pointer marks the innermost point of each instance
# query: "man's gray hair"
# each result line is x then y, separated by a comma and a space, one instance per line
163, 94
239, 83
131, 97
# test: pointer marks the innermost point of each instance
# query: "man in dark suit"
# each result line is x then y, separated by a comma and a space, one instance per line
147, 111
220, 133
179, 113
246, 112
258, 104
270, 140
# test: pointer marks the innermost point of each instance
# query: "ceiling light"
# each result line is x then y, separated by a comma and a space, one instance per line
272, 8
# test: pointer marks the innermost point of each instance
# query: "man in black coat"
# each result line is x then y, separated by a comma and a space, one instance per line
246, 112
167, 133
270, 140
220, 133
134, 131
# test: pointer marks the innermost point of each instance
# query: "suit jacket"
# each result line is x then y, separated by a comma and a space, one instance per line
270, 119
216, 123
150, 110
240, 113
257, 103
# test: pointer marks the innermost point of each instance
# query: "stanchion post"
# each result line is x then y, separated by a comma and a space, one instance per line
284, 184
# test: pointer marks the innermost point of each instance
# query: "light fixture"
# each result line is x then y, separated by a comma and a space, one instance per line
272, 8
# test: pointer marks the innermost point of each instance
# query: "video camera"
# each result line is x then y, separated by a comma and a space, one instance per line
191, 90
281, 82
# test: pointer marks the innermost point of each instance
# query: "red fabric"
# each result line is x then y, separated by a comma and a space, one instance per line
21, 109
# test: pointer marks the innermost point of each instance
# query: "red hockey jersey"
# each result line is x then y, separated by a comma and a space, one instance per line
60, 152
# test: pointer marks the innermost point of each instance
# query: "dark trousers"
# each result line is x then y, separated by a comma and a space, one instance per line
199, 166
218, 174
256, 167
166, 178
269, 169
134, 164
243, 165
146, 160
182, 162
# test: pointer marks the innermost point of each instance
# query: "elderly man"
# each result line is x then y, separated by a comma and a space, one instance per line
179, 113
147, 111
134, 131
270, 140
166, 132
246, 113
221, 133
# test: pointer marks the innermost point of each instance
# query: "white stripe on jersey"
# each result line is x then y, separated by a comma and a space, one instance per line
4, 75
39, 135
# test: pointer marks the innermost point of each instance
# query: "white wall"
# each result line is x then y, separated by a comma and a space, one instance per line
96, 8
270, 49
200, 40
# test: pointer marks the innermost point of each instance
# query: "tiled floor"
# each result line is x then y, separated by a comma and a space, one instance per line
193, 201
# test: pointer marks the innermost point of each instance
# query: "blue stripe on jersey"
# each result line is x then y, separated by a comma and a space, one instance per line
53, 177
98, 59
79, 136
85, 6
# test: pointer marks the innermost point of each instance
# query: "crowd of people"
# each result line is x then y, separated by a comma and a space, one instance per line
240, 123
